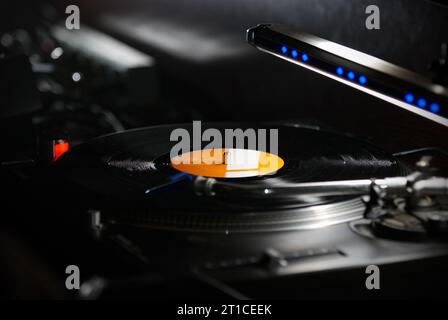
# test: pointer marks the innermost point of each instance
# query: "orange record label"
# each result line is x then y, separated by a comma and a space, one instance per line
228, 163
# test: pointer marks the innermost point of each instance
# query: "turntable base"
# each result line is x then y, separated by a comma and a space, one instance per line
253, 247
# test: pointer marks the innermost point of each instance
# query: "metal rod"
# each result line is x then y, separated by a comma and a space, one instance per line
397, 186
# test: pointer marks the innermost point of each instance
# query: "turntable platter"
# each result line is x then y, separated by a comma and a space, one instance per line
120, 169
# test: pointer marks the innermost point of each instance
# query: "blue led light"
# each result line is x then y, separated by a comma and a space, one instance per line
409, 97
434, 107
351, 75
284, 49
294, 53
340, 71
362, 80
421, 103
305, 57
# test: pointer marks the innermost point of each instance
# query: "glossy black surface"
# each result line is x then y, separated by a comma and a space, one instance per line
131, 173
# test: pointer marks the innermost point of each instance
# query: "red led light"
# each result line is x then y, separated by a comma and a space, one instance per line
59, 149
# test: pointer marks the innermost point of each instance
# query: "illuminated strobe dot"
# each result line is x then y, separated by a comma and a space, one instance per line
362, 80
56, 53
351, 75
409, 98
294, 54
305, 57
76, 77
434, 107
340, 71
421, 103
284, 49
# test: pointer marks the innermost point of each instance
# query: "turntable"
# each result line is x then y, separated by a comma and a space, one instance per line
325, 206
134, 169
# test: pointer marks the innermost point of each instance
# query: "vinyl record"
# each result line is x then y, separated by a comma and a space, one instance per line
133, 179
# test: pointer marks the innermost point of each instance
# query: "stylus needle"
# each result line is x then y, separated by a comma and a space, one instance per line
173, 180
